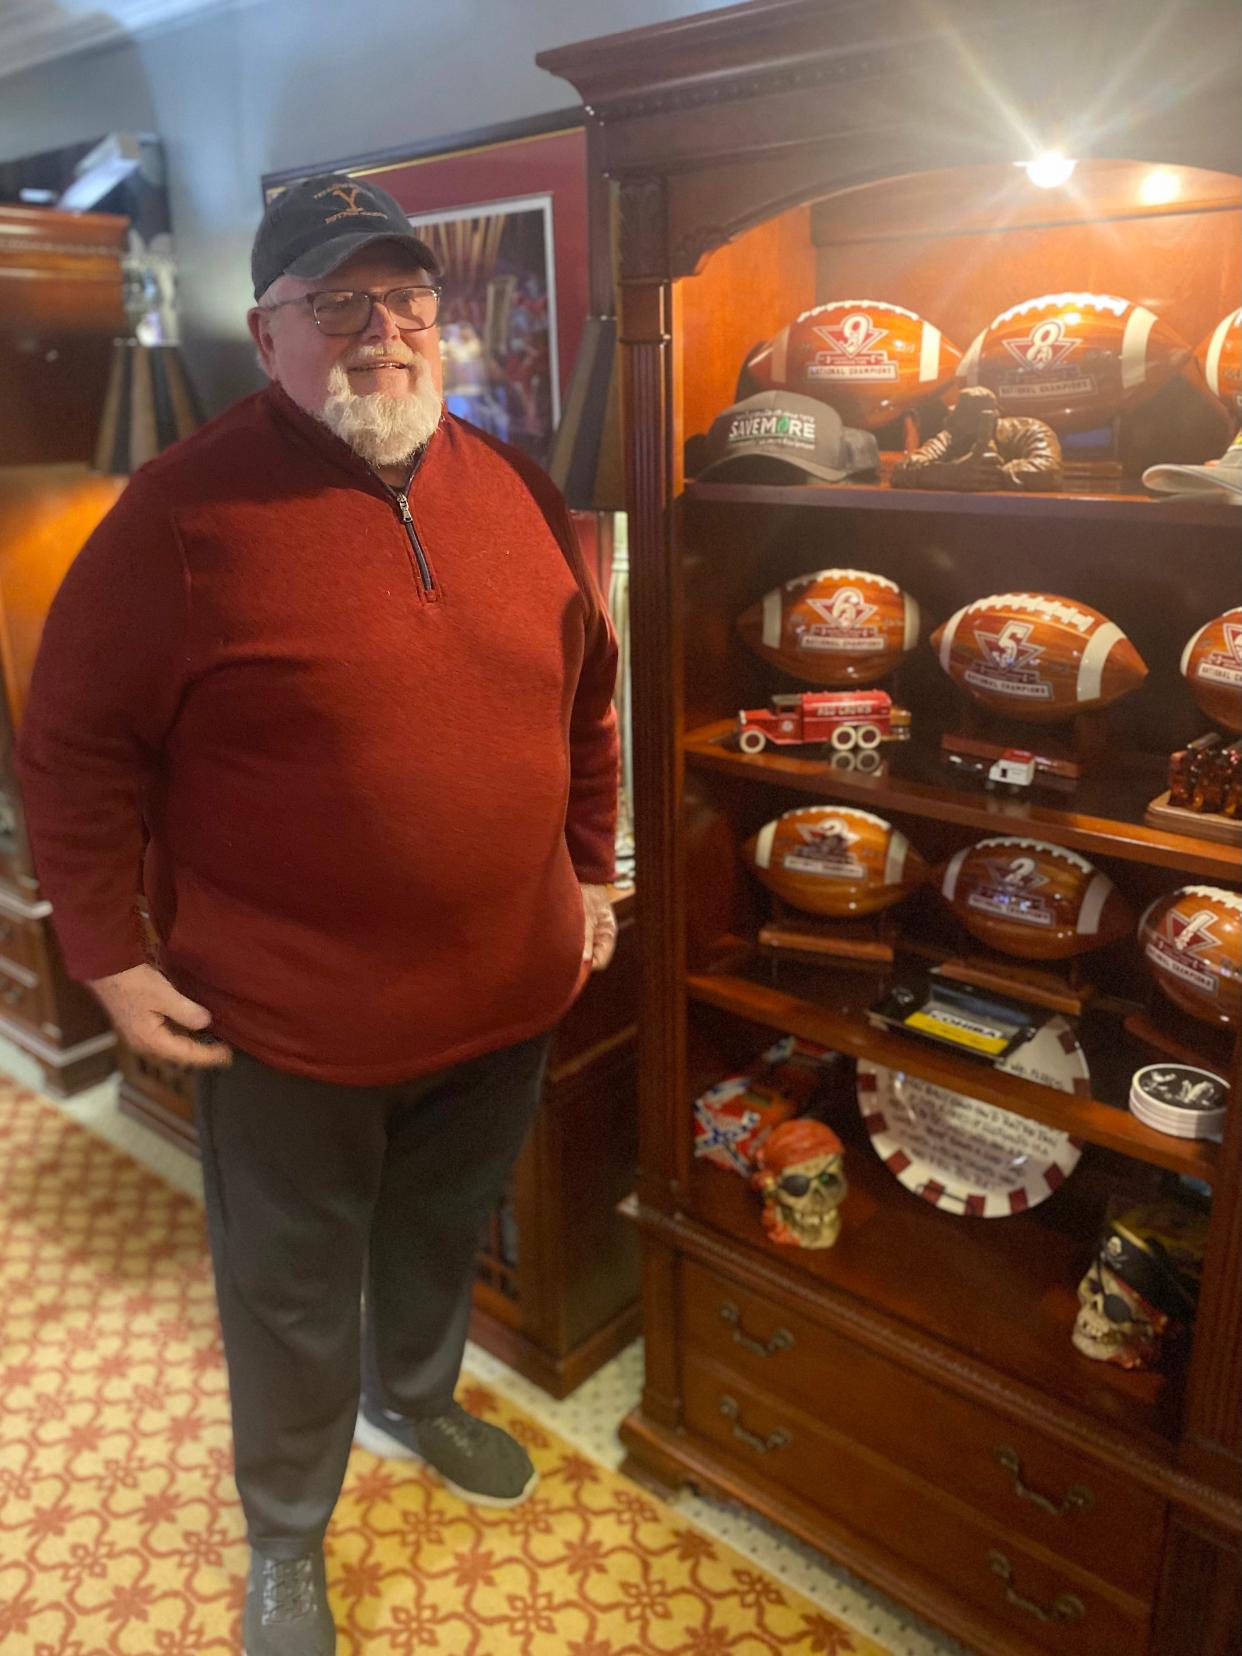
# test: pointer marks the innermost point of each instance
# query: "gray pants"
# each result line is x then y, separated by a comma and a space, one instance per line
314, 1190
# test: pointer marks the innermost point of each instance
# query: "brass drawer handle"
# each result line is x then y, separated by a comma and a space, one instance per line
8, 931
782, 1340
14, 994
1065, 1607
779, 1439
1078, 1498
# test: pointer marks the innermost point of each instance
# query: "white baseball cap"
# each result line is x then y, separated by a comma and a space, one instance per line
1222, 478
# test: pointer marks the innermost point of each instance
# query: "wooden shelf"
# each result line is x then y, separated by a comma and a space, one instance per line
1106, 816
846, 1029
1157, 512
1003, 1291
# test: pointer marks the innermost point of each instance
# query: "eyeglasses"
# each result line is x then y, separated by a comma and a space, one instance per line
349, 311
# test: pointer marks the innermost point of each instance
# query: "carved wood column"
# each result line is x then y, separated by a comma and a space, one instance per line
1213, 1443
656, 667
655, 606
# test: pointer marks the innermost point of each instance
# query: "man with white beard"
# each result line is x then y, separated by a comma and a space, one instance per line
334, 673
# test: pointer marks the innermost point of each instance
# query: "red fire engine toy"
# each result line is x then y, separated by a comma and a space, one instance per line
840, 719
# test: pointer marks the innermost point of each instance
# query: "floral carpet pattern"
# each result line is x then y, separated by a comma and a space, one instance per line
120, 1531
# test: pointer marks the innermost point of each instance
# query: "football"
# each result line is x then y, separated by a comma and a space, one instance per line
1220, 357
870, 360
836, 627
1192, 939
1074, 359
1037, 657
833, 860
1212, 666
1035, 900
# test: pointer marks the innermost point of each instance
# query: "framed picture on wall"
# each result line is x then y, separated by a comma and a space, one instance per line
505, 211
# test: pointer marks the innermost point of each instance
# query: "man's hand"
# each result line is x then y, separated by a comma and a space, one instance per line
600, 932
151, 1016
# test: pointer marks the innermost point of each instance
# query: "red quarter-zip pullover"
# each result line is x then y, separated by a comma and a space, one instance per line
373, 757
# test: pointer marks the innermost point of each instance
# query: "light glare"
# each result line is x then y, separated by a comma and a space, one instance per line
1160, 186
1050, 169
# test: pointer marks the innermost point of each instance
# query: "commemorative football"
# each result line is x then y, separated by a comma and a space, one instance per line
834, 860
871, 360
1034, 900
836, 627
1220, 357
1034, 656
1074, 360
1192, 940
1212, 667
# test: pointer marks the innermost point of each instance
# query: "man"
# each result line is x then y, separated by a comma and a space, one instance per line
337, 659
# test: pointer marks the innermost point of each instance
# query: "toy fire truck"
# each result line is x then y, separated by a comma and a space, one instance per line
838, 719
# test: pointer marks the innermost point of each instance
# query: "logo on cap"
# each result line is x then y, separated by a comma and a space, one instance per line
349, 194
773, 425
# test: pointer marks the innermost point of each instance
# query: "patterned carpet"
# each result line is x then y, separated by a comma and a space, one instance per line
119, 1526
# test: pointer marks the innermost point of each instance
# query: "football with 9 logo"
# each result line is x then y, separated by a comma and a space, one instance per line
1220, 357
1035, 900
1074, 360
1037, 657
870, 360
1192, 940
834, 860
1212, 667
835, 627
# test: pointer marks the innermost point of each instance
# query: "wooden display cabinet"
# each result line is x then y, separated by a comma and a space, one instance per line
909, 1400
60, 308
556, 1293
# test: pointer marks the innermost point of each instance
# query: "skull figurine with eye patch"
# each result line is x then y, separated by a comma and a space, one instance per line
1142, 1286
800, 1179
1115, 1324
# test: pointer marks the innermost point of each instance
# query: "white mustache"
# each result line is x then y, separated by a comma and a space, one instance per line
369, 355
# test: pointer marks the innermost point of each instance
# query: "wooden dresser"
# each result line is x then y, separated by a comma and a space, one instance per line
909, 1400
60, 308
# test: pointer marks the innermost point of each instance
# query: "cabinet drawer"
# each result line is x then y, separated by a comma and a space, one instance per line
1068, 1502
19, 941
20, 998
1050, 1603
165, 1084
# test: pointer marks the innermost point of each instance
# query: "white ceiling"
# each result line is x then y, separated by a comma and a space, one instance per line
38, 31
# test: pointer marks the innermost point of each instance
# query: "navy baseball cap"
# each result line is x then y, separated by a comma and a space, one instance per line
314, 226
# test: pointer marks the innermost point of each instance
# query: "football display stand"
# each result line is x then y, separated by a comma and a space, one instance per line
1070, 992
1213, 825
869, 944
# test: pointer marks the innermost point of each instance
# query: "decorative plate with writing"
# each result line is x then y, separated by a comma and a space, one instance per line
968, 1157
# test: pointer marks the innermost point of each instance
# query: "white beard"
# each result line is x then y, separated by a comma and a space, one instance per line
384, 430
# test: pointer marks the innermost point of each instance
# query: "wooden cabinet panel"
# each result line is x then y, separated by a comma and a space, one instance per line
19, 941
1074, 1505
21, 995
1050, 1602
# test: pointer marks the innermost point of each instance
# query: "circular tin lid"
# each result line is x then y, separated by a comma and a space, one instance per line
1179, 1099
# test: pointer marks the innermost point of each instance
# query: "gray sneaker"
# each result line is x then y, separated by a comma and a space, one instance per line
481, 1463
287, 1610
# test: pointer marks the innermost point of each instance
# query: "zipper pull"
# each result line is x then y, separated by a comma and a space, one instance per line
403, 506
